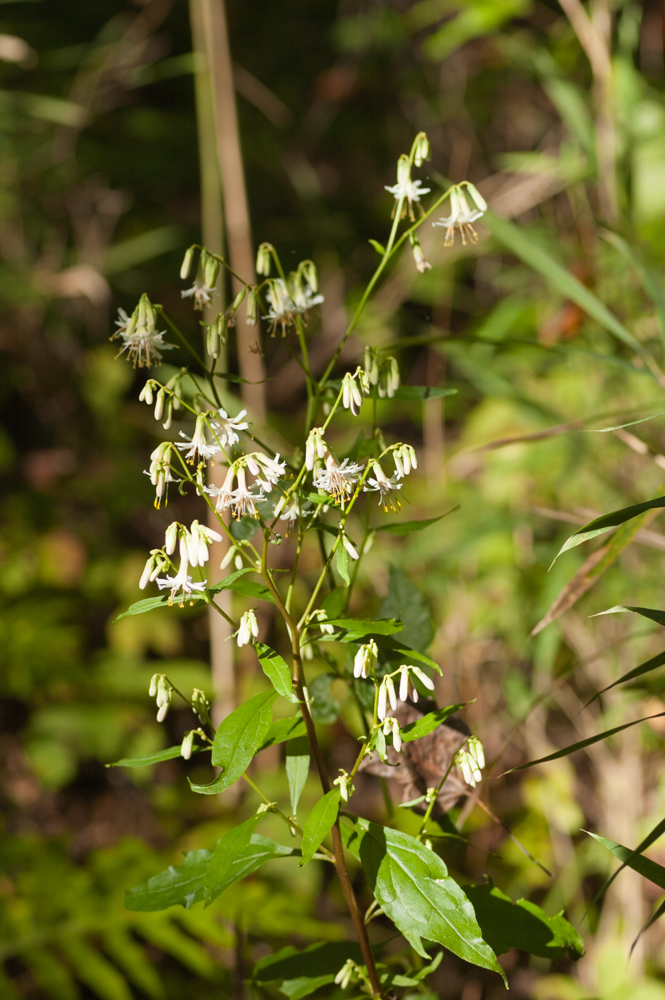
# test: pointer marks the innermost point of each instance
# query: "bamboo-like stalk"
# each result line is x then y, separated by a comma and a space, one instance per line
212, 237
236, 210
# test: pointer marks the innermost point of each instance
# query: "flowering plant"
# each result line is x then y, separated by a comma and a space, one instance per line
327, 506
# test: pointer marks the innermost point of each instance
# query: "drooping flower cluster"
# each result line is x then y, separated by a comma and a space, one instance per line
471, 760
462, 216
140, 337
388, 695
193, 550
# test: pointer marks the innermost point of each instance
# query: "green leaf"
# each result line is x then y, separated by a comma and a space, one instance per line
584, 743
412, 885
318, 824
237, 740
650, 839
653, 613
358, 628
147, 604
649, 869
381, 250
407, 527
644, 668
522, 925
405, 654
134, 961
155, 758
342, 563
518, 242
405, 602
183, 885
276, 670
428, 723
607, 521
297, 768
411, 392
284, 729
225, 855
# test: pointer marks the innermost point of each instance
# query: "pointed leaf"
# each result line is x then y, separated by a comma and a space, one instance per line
574, 747
407, 527
650, 839
405, 602
276, 670
183, 885
607, 521
141, 607
155, 758
321, 959
342, 563
644, 668
225, 856
296, 763
381, 250
428, 723
237, 740
653, 613
649, 869
318, 824
522, 925
412, 885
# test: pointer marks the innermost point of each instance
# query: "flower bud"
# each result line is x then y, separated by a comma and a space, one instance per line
422, 150
187, 745
186, 265
264, 259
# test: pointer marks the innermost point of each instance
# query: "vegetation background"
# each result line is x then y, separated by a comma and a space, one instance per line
100, 159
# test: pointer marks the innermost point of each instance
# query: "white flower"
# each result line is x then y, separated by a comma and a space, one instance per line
187, 744
404, 457
267, 471
391, 725
471, 761
226, 427
386, 694
156, 564
161, 470
288, 301
224, 493
161, 689
338, 480
321, 617
315, 448
197, 445
388, 489
288, 508
345, 784
461, 217
181, 583
242, 501
411, 191
249, 629
140, 337
198, 539
351, 395
201, 293
365, 659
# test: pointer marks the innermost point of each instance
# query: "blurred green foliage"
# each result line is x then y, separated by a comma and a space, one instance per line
99, 195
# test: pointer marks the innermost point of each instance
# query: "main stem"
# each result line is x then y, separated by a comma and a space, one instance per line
339, 860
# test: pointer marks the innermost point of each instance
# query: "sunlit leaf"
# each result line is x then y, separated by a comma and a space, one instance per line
284, 729
653, 613
276, 670
607, 521
155, 758
296, 765
428, 723
237, 740
649, 869
413, 392
574, 747
643, 668
408, 527
412, 885
319, 823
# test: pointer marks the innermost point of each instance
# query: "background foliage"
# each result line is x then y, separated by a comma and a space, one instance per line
99, 196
